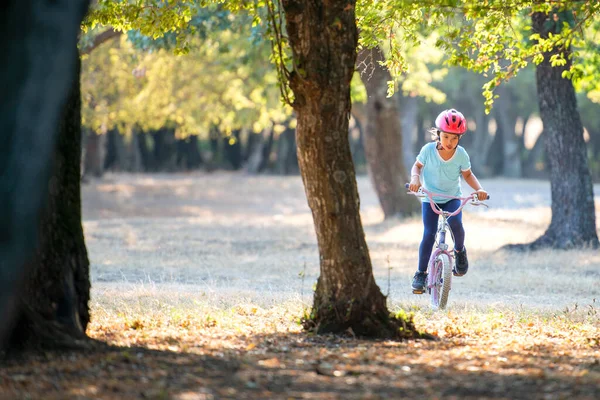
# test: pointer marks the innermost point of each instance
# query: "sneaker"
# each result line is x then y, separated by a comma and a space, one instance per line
418, 283
462, 264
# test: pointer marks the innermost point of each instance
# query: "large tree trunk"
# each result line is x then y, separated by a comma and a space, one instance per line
39, 38
383, 138
323, 38
54, 304
573, 222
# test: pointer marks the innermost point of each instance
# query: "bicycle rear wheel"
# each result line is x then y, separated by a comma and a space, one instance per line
439, 281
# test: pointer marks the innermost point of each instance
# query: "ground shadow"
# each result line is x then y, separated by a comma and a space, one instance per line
298, 365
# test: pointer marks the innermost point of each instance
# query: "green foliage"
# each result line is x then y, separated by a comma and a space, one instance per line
225, 81
493, 37
490, 37
411, 56
152, 18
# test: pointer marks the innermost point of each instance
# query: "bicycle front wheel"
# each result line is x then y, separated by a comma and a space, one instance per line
440, 280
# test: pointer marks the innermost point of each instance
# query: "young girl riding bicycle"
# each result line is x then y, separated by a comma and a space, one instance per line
438, 168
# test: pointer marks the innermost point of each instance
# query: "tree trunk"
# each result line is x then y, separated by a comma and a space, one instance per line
165, 150
232, 150
481, 143
409, 111
521, 143
495, 153
39, 38
116, 151
506, 118
188, 153
95, 154
147, 160
323, 38
420, 142
383, 138
355, 136
133, 159
573, 222
54, 303
287, 159
534, 157
214, 160
260, 151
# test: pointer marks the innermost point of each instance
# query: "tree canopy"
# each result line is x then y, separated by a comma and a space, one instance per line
491, 37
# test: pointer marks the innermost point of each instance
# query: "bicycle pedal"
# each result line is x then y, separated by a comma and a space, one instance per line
417, 291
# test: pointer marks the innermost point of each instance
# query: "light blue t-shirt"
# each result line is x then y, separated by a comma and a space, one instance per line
440, 176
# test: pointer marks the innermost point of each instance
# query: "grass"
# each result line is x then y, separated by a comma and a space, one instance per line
200, 281
144, 316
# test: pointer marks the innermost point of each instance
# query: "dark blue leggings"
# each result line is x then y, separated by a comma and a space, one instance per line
430, 221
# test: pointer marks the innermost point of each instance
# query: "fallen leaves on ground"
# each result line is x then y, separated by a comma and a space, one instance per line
255, 354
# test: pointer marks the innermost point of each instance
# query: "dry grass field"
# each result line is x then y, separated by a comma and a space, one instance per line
199, 281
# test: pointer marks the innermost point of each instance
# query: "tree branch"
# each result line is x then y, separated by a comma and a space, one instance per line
105, 36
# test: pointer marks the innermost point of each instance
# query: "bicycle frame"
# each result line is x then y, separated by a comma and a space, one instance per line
441, 247
436, 262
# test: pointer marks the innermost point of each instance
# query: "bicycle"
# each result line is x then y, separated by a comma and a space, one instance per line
441, 261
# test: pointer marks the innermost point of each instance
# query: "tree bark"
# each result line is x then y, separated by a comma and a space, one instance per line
99, 39
323, 38
54, 303
383, 138
39, 39
573, 222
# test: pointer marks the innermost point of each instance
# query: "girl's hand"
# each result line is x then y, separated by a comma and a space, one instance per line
415, 184
481, 195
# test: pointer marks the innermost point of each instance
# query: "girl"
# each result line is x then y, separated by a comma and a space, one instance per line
439, 166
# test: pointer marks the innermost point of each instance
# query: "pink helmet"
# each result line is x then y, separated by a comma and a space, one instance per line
451, 121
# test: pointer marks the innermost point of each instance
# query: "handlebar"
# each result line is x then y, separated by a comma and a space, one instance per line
463, 200
406, 185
